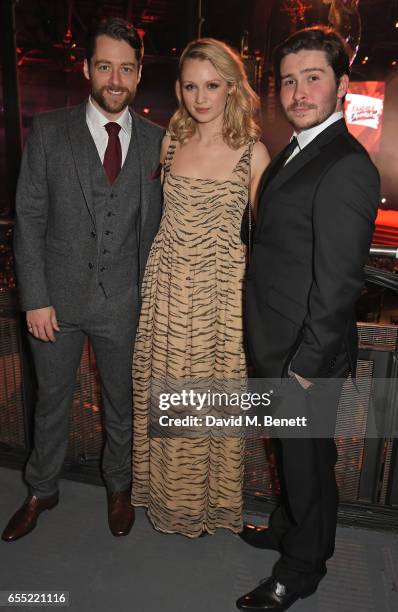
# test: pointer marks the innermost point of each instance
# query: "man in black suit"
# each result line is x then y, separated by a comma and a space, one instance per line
317, 207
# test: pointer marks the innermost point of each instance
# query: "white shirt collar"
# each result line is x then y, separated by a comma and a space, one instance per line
98, 120
306, 136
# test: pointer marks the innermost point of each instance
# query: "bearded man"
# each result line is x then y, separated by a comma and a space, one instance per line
88, 207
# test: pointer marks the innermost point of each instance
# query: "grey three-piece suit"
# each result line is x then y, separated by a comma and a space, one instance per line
80, 246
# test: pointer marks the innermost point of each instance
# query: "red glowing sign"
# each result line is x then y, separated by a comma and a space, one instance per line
364, 112
386, 231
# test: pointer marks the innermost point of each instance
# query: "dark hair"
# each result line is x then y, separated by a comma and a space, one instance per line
119, 29
316, 38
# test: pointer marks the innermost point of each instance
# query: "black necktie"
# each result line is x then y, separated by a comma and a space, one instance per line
286, 153
290, 148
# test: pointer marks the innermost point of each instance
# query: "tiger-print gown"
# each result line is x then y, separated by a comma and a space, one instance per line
191, 326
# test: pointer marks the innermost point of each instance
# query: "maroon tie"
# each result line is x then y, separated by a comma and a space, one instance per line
113, 153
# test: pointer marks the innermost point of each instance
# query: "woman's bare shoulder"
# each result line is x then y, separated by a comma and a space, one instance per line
260, 153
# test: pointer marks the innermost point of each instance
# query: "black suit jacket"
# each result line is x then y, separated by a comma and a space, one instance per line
312, 238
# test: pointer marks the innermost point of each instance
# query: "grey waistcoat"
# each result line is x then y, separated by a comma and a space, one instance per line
75, 232
116, 207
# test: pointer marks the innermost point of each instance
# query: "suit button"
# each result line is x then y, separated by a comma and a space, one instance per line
109, 214
112, 196
90, 265
93, 235
105, 251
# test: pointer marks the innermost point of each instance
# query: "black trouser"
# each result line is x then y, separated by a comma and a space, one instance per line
110, 325
305, 521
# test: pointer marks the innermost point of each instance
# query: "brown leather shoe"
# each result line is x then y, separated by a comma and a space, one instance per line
25, 519
120, 512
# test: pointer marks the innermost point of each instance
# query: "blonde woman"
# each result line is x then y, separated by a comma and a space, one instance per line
191, 323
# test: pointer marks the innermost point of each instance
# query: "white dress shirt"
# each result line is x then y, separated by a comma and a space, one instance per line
306, 136
96, 122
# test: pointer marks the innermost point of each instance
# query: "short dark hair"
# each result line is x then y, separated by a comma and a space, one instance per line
316, 38
119, 29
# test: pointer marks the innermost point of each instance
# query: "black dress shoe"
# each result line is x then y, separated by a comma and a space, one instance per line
260, 537
270, 595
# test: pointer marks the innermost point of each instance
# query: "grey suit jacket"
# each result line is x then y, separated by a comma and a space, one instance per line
54, 199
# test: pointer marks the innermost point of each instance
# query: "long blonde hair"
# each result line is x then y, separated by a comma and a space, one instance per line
241, 114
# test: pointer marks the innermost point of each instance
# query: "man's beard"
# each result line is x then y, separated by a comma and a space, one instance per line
320, 116
118, 105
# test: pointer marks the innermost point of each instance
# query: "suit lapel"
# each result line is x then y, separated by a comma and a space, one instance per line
79, 136
297, 163
290, 169
302, 158
268, 173
141, 137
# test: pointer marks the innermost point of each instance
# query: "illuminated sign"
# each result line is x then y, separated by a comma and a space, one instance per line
364, 112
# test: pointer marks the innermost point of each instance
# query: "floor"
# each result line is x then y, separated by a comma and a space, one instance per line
72, 550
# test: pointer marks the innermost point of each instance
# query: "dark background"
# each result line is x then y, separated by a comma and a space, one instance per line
172, 23
50, 60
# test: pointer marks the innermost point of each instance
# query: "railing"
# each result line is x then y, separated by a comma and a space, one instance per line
357, 459
385, 251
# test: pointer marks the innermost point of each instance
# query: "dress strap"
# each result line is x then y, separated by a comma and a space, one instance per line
242, 168
169, 155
